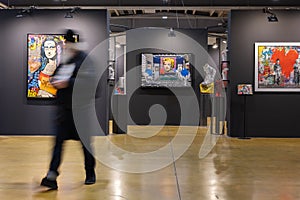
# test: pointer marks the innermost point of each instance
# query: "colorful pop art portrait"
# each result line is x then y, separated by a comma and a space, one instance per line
166, 70
277, 67
44, 54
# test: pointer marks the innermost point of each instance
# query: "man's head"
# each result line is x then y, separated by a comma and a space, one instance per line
70, 36
70, 41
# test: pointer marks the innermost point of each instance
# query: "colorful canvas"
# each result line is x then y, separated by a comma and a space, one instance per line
44, 55
166, 70
277, 67
245, 89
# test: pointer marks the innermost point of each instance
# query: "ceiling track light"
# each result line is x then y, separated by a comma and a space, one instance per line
271, 15
272, 18
24, 12
69, 14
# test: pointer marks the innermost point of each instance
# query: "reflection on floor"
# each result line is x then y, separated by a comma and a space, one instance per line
255, 169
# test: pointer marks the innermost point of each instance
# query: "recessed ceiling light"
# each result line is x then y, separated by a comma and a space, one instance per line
118, 45
215, 45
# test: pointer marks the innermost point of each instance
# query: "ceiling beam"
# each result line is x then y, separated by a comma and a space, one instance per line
197, 8
149, 11
117, 12
146, 16
220, 13
2, 5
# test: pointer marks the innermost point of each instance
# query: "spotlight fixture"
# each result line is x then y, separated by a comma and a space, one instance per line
272, 16
171, 33
69, 14
20, 14
24, 12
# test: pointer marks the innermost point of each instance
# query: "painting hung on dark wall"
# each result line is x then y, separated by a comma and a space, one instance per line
166, 70
277, 67
244, 89
44, 53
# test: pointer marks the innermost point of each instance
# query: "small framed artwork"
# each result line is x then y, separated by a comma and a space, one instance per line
244, 89
277, 67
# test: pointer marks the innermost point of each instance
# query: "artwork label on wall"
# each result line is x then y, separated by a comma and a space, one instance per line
277, 67
166, 70
44, 54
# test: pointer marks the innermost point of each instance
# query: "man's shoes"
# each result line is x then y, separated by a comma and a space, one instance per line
51, 184
90, 177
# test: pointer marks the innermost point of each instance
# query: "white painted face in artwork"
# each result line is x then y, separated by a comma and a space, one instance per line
50, 49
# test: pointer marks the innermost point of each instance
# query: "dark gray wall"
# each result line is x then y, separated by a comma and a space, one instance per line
143, 98
20, 115
267, 114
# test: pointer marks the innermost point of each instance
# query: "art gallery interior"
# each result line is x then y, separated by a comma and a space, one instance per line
200, 139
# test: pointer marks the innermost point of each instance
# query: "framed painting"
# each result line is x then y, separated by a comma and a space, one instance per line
244, 89
166, 70
277, 67
44, 54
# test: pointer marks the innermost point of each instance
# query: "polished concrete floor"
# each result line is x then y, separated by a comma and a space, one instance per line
254, 169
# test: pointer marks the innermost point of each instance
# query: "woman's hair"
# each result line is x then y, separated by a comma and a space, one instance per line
171, 60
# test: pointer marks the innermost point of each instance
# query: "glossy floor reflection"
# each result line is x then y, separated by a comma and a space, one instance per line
255, 169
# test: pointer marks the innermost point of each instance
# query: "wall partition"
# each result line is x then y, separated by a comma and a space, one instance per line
265, 113
24, 116
140, 102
